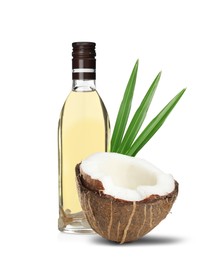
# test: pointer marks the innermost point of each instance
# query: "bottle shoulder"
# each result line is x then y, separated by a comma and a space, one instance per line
77, 100
80, 106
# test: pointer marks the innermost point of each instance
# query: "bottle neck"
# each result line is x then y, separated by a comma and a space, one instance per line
83, 85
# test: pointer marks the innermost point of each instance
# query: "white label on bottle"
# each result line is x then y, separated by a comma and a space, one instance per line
83, 70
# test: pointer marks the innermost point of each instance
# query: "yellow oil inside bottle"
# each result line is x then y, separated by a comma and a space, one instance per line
83, 130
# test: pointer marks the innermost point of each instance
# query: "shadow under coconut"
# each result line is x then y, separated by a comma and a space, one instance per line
147, 240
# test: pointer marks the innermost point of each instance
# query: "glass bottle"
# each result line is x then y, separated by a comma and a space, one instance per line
83, 129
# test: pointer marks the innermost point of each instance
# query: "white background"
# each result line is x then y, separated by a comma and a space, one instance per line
181, 38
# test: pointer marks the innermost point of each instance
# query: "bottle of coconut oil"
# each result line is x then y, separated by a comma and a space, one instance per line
83, 130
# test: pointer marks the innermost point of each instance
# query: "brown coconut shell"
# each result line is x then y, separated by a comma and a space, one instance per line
120, 220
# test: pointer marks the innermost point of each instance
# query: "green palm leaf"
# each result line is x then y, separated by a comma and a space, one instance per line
154, 125
138, 117
124, 111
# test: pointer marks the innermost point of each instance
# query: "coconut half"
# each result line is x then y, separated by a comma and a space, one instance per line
123, 197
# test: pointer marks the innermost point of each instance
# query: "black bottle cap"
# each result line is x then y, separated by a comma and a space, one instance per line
83, 62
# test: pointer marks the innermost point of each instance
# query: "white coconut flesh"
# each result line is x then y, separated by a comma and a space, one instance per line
127, 178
